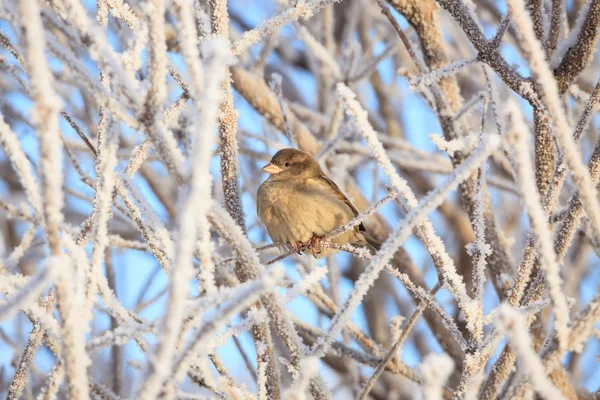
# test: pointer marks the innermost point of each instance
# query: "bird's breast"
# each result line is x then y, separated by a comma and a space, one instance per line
296, 212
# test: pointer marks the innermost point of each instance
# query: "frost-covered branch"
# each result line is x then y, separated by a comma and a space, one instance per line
513, 325
132, 259
413, 219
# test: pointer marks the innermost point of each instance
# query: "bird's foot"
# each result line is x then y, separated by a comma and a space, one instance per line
315, 242
298, 247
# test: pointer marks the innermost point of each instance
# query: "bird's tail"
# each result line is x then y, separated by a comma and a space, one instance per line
373, 244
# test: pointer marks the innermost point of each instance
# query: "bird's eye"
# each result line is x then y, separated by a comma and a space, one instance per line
287, 164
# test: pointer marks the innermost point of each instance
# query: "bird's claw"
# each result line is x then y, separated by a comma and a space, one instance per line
298, 247
314, 242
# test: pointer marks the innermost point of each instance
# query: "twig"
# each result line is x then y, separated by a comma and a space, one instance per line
397, 344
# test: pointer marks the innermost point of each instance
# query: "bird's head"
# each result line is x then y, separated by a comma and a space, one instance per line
292, 163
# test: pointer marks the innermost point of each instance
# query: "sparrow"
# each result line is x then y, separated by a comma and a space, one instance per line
299, 205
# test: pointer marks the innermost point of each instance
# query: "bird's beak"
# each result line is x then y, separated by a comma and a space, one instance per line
271, 169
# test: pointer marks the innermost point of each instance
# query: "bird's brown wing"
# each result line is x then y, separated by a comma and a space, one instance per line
338, 193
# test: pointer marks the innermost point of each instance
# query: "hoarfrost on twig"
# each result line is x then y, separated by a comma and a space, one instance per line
144, 237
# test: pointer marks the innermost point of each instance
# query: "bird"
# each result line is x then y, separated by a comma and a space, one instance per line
299, 204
